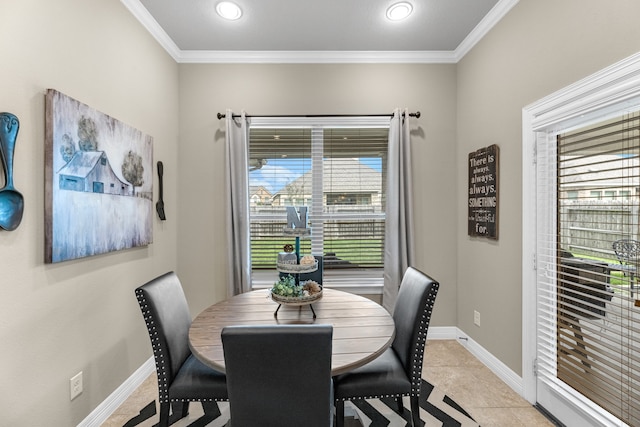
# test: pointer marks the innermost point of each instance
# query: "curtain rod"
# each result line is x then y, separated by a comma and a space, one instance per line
416, 115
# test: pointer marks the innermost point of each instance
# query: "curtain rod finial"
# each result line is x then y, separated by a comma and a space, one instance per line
417, 114
221, 116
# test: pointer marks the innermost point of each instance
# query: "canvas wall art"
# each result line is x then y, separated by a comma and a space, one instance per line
99, 182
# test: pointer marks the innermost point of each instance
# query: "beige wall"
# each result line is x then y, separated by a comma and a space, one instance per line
314, 89
57, 320
541, 46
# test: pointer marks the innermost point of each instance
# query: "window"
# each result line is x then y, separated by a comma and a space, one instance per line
573, 194
335, 169
598, 348
348, 199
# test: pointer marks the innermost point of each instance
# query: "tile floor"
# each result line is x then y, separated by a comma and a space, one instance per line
489, 401
448, 366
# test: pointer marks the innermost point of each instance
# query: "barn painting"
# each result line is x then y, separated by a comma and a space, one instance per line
91, 171
99, 182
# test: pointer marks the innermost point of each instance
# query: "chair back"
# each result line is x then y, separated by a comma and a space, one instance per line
583, 287
412, 314
279, 375
166, 313
627, 250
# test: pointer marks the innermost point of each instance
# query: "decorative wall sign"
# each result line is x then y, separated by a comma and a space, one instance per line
483, 192
98, 182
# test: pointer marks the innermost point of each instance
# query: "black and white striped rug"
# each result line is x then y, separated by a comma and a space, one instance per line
436, 409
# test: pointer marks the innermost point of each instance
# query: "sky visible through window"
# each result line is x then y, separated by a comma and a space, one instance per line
277, 173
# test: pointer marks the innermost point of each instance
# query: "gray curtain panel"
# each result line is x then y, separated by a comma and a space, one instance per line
399, 237
237, 186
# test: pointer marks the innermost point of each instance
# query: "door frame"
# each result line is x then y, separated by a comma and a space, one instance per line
598, 96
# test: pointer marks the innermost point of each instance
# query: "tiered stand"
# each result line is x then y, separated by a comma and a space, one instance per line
296, 270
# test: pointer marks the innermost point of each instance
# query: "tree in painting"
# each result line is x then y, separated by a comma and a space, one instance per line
67, 147
87, 134
132, 169
87, 139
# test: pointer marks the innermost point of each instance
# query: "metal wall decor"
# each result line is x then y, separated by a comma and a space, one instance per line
11, 201
160, 202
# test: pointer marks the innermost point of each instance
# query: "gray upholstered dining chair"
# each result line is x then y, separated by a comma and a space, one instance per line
181, 377
279, 375
398, 371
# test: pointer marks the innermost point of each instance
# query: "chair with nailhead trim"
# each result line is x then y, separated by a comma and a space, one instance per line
279, 375
181, 377
398, 371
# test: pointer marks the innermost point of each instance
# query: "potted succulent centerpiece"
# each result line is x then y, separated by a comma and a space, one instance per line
286, 291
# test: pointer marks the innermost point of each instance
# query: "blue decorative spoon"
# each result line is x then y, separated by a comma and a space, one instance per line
11, 201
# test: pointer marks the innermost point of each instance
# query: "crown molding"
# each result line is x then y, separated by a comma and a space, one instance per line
318, 57
488, 22
144, 17
314, 57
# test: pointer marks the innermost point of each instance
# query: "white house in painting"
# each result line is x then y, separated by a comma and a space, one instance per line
90, 171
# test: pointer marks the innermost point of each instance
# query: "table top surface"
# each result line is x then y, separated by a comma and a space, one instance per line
362, 329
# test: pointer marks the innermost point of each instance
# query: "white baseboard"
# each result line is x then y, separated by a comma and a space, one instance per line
496, 366
99, 415
443, 333
122, 393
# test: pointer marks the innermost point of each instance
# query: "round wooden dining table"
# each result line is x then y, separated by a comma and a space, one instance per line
362, 329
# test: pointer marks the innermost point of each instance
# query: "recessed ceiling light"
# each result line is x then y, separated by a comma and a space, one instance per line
228, 10
399, 11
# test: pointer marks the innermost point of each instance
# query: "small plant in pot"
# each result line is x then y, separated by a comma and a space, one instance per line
287, 287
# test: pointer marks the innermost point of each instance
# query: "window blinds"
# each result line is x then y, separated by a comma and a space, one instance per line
339, 173
589, 328
280, 175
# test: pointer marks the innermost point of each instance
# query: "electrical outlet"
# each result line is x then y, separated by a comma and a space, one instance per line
476, 318
75, 385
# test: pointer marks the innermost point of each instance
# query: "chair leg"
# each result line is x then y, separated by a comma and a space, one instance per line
415, 411
580, 343
340, 413
181, 408
164, 414
211, 410
400, 404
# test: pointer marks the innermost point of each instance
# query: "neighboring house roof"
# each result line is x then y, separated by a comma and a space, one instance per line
606, 170
348, 175
255, 189
82, 163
